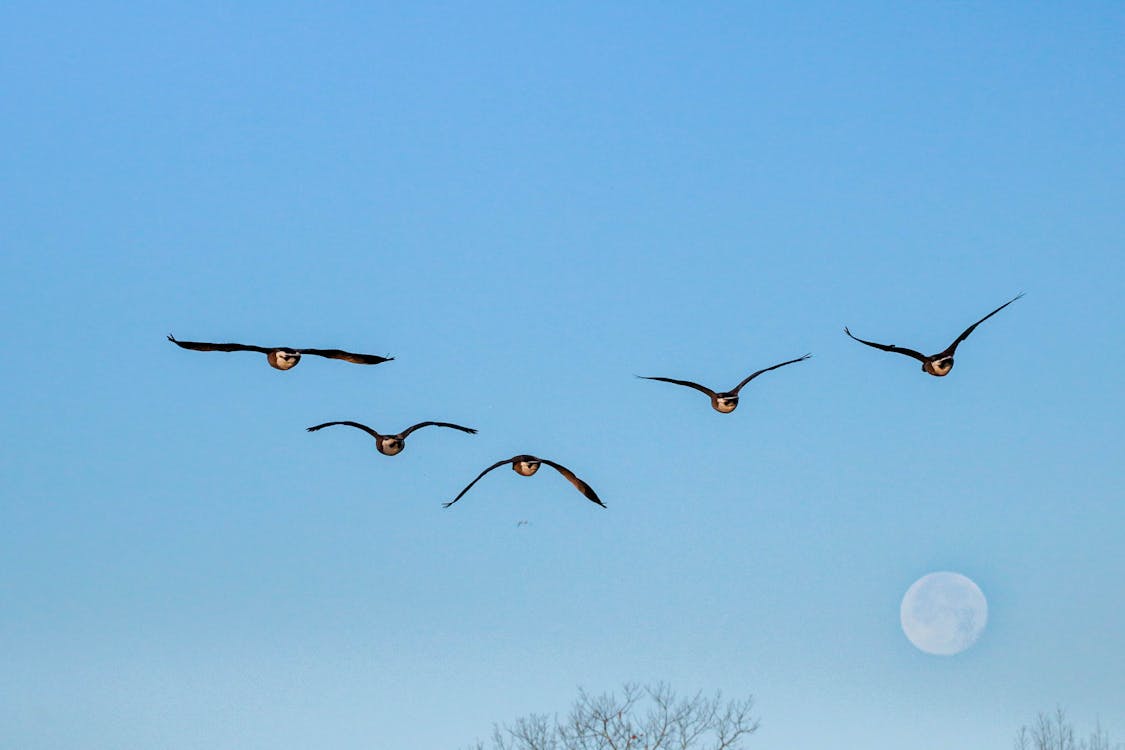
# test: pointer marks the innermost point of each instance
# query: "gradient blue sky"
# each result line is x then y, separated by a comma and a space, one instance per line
528, 206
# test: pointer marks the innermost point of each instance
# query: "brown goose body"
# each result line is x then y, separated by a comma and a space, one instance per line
283, 359
724, 403
390, 445
525, 466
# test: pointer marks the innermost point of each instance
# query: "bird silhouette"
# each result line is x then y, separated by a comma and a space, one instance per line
281, 357
727, 401
941, 363
392, 445
525, 466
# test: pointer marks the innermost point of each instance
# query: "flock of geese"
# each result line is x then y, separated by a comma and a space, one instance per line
724, 402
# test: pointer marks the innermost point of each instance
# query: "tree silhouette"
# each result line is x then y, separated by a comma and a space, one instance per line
1055, 732
643, 718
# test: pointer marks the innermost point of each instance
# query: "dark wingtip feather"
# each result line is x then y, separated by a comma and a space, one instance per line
588, 492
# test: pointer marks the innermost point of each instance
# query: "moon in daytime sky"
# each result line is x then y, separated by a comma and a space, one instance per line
943, 613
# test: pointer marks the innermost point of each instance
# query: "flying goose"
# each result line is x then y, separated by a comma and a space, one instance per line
941, 363
727, 401
392, 445
525, 466
282, 357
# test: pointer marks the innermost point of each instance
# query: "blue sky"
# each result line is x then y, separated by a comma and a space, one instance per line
527, 207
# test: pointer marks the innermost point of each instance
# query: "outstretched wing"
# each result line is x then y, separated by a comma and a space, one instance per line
584, 488
688, 383
201, 346
363, 427
420, 425
490, 468
890, 347
753, 375
359, 359
953, 347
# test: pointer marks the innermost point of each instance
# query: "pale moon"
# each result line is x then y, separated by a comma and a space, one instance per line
943, 613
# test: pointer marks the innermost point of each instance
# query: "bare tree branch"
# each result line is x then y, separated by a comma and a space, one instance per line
642, 718
1055, 732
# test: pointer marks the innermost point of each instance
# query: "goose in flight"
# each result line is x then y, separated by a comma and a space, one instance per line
281, 357
941, 363
525, 466
392, 445
727, 401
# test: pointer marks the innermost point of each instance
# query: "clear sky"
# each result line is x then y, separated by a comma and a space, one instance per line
527, 206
